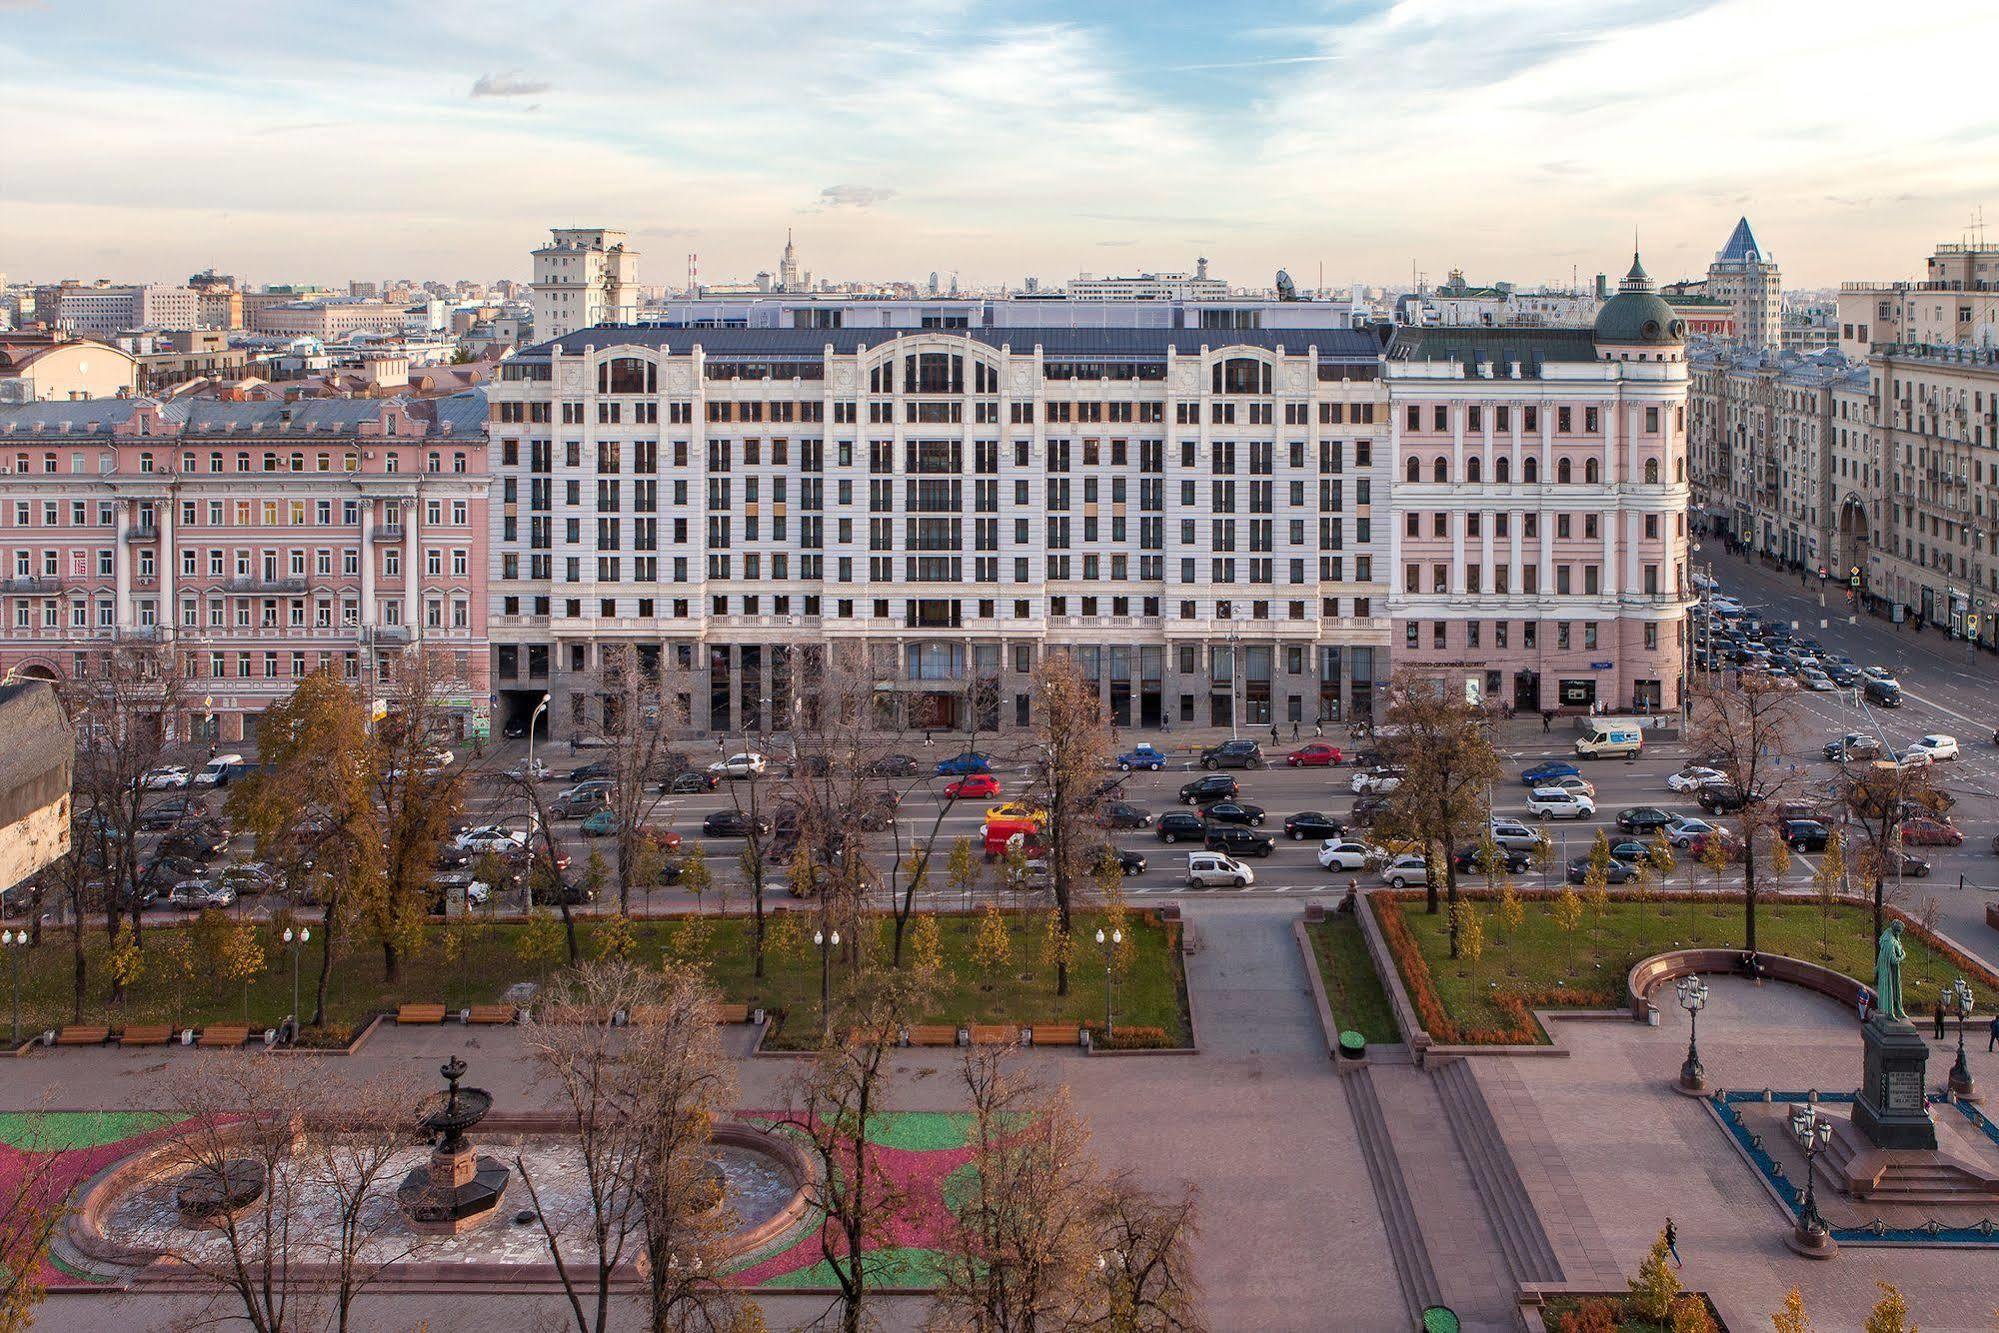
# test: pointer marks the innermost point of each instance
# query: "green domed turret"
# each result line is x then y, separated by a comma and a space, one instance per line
1637, 315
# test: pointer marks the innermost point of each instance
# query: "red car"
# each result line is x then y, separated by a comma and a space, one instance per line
1314, 756
665, 839
972, 785
1931, 833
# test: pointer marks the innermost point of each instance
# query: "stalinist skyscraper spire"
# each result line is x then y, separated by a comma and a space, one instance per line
787, 268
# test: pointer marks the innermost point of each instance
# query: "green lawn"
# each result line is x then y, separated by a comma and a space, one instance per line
1543, 961
467, 963
1353, 988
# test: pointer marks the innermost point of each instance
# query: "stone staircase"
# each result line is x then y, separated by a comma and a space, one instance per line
1413, 1269
1515, 1226
1855, 1167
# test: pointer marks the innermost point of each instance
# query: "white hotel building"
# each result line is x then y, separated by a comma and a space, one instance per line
1199, 515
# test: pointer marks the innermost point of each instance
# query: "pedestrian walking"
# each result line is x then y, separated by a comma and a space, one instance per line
1673, 1243
1273, 733
1547, 719
1319, 730
1992, 1033
1939, 1017
1294, 729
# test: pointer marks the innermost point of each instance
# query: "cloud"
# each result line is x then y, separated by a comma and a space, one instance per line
854, 196
1117, 242
508, 83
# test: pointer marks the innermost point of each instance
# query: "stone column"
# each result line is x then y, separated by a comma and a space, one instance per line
121, 561
367, 563
169, 613
412, 612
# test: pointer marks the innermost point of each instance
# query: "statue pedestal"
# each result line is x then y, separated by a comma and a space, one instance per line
1892, 1108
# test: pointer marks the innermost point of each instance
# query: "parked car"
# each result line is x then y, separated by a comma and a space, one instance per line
1721, 798
1404, 871
220, 771
1579, 785
1123, 814
973, 786
1617, 872
1177, 826
196, 839
1923, 831
601, 824
1345, 854
171, 812
1914, 867
490, 838
472, 891
1513, 835
1315, 755
962, 765
528, 770
1684, 829
1311, 824
1130, 863
1693, 777
750, 765
1381, 781
167, 777
1853, 745
579, 804
1238, 841
1366, 809
1630, 850
166, 871
1143, 757
195, 895
1234, 812
1643, 819
1542, 774
598, 768
1213, 870
734, 824
691, 783
1232, 754
1938, 747
1512, 862
1213, 787
891, 766
250, 877
1555, 803
1804, 835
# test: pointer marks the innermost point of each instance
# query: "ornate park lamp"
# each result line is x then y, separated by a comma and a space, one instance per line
1812, 1132
1959, 1000
1109, 944
826, 944
1693, 998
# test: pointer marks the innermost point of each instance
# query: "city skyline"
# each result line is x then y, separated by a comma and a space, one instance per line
1371, 138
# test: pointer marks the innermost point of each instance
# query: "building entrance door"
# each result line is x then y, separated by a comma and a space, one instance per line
1527, 691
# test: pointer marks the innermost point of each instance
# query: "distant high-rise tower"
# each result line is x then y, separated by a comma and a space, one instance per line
787, 268
584, 276
1748, 280
933, 282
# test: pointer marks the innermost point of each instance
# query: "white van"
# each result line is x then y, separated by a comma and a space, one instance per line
1610, 741
1212, 870
212, 773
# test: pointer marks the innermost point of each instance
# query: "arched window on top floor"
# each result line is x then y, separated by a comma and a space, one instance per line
1651, 472
1530, 470
1502, 470
1474, 472
1592, 473
1562, 472
1413, 472
1440, 471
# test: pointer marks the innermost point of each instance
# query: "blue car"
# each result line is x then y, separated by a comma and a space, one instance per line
1541, 774
963, 765
1144, 758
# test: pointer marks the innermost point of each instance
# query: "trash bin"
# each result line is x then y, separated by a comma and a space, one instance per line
1440, 1319
1353, 1046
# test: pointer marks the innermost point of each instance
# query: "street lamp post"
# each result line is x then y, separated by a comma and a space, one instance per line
294, 941
533, 805
1958, 999
1109, 944
1812, 1132
1693, 998
14, 942
826, 944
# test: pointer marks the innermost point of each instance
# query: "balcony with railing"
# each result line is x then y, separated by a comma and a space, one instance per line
389, 532
142, 535
31, 584
283, 583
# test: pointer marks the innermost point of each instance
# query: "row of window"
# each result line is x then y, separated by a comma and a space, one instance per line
950, 611
1530, 418
939, 456
1530, 470
1476, 580
221, 513
1474, 634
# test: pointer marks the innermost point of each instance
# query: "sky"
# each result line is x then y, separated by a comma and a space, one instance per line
1515, 139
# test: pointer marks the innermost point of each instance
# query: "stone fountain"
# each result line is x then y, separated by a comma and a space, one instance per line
456, 1190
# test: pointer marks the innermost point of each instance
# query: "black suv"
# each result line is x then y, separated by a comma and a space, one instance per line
1720, 798
1367, 807
1178, 826
1122, 814
1312, 824
1214, 787
1232, 754
1239, 841
1882, 695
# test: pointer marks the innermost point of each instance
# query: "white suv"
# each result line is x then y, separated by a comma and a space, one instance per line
1342, 854
1554, 803
739, 766
1406, 870
1212, 870
1937, 747
1514, 836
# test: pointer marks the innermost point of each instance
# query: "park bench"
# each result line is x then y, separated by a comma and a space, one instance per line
933, 1034
81, 1034
224, 1034
146, 1034
490, 1013
1057, 1034
994, 1034
420, 1013
729, 1013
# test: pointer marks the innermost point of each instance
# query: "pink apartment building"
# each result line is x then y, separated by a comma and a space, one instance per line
1538, 546
263, 541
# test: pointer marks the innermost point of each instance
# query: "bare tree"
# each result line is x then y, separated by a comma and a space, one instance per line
1443, 744
128, 713
1148, 1270
1876, 797
32, 1210
837, 1105
636, 726
643, 1097
1075, 749
1744, 732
